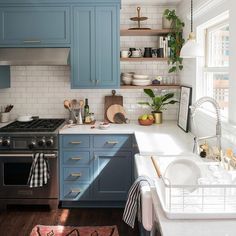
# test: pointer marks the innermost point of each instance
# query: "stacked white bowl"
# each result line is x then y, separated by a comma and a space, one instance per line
141, 80
127, 77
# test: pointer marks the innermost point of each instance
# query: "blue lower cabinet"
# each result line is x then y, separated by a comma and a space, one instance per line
113, 175
98, 173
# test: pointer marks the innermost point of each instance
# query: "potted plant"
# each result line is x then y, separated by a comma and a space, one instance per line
176, 40
158, 103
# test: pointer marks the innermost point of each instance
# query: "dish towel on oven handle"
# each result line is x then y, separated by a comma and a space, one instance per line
133, 203
39, 172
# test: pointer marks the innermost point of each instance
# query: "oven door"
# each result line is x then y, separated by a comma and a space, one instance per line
14, 172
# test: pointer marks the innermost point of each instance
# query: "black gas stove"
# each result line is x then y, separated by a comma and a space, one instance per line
38, 134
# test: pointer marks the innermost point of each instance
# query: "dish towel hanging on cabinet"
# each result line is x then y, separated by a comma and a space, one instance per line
39, 172
133, 203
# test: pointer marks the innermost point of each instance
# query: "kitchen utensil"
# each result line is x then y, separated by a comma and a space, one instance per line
80, 119
74, 104
111, 100
24, 118
138, 82
136, 76
8, 108
147, 52
112, 110
183, 172
67, 105
119, 118
139, 19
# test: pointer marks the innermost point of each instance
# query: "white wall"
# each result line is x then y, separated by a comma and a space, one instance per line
205, 123
41, 90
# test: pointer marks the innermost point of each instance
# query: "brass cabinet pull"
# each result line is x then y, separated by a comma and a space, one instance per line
112, 142
76, 174
75, 158
75, 190
75, 142
32, 41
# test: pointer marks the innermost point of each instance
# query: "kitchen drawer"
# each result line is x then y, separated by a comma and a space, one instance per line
77, 174
74, 192
112, 141
76, 158
75, 141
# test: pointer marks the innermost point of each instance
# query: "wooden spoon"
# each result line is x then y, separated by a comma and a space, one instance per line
67, 105
74, 103
81, 103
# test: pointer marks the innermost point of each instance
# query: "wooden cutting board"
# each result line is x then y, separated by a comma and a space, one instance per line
112, 100
114, 109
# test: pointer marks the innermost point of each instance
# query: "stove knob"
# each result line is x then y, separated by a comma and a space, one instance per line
49, 142
41, 142
32, 144
6, 142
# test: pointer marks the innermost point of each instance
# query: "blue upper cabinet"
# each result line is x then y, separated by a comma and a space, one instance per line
34, 25
95, 60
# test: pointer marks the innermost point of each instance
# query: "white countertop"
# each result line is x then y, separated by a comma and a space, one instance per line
168, 227
166, 138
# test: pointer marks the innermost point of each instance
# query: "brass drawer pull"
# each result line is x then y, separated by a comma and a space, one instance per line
75, 158
112, 142
75, 142
76, 174
32, 41
75, 190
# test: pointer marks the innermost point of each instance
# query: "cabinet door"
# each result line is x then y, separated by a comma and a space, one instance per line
107, 47
34, 25
112, 175
83, 64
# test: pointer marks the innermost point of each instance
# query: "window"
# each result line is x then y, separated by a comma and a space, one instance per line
216, 71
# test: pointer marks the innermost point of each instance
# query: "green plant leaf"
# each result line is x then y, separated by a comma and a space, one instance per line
172, 69
149, 92
167, 96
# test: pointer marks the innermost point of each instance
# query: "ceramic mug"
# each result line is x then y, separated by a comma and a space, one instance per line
125, 54
137, 53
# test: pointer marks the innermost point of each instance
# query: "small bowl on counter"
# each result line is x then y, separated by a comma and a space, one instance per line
146, 122
104, 125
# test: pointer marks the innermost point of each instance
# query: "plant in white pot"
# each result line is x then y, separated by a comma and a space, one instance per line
158, 103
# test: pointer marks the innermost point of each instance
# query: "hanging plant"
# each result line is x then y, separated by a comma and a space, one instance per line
176, 40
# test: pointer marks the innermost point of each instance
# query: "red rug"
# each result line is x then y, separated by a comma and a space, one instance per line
59, 230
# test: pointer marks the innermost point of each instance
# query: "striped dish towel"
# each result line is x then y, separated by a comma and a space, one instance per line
39, 172
133, 204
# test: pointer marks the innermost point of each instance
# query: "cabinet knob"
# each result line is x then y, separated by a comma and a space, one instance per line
32, 41
112, 142
75, 142
75, 190
76, 175
75, 158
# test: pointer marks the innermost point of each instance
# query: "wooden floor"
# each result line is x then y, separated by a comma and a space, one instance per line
19, 221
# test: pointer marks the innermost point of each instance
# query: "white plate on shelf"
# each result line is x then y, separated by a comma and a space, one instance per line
183, 172
139, 82
141, 77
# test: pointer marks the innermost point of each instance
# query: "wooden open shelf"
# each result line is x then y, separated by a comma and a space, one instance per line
152, 32
140, 59
160, 86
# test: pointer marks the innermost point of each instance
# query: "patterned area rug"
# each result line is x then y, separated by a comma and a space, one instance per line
59, 230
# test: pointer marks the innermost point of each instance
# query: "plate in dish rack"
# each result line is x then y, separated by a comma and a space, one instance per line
183, 172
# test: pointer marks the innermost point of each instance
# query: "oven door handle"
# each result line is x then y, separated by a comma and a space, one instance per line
47, 155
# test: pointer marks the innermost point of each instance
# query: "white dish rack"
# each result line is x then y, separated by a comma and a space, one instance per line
199, 201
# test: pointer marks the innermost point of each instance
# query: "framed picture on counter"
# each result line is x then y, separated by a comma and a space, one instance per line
184, 109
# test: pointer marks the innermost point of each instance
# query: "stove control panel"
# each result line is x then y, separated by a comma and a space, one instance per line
34, 142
